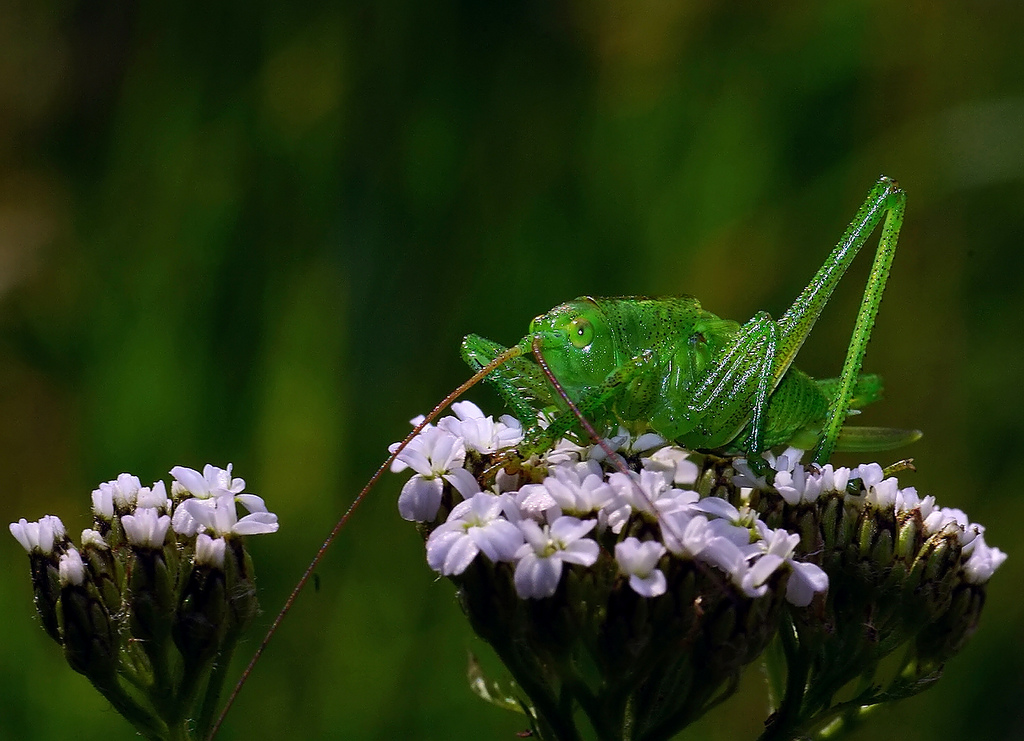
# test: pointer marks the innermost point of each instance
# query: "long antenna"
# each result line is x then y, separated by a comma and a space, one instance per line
615, 459
510, 353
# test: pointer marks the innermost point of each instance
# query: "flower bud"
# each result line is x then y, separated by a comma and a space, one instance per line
90, 636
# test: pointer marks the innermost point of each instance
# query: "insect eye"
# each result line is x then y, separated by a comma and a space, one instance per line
581, 332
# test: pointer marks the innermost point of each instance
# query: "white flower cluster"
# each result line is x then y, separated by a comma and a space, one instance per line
798, 484
201, 506
538, 527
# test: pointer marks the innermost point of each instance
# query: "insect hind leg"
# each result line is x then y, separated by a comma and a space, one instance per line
891, 201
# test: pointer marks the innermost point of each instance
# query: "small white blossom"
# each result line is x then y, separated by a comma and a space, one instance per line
639, 561
103, 503
535, 502
121, 493
564, 451
579, 489
481, 433
685, 535
154, 497
947, 519
474, 525
182, 521
799, 485
39, 536
883, 493
833, 479
674, 463
805, 579
729, 522
146, 527
733, 560
982, 562
646, 490
540, 559
206, 484
868, 473
93, 539
436, 456
220, 517
71, 570
210, 551
785, 462
744, 476
908, 500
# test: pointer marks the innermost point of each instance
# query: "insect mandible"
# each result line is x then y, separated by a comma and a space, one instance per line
668, 365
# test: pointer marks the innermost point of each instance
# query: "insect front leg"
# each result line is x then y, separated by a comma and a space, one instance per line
597, 404
519, 381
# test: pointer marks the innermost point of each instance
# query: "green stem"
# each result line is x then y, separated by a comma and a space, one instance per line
214, 686
786, 719
145, 721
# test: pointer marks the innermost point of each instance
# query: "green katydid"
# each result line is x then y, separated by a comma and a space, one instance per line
670, 366
706, 383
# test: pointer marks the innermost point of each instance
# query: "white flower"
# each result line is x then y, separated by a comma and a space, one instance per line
533, 501
39, 536
154, 497
730, 523
749, 566
120, 494
674, 463
947, 519
686, 536
805, 579
481, 433
744, 476
436, 456
210, 551
725, 555
220, 516
785, 462
71, 570
564, 451
474, 525
799, 485
908, 500
833, 479
103, 502
883, 493
982, 562
146, 527
868, 473
578, 489
623, 441
183, 522
639, 560
206, 484
540, 559
93, 539
644, 491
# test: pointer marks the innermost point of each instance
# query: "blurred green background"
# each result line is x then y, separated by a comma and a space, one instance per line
256, 232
